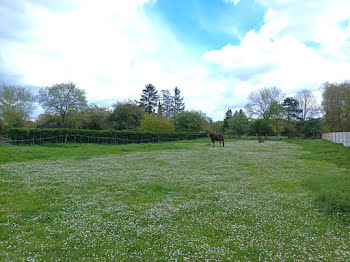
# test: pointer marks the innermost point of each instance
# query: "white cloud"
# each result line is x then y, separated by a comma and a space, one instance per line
112, 49
235, 2
278, 55
109, 48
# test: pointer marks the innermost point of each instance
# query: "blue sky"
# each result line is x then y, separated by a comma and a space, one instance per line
215, 51
208, 25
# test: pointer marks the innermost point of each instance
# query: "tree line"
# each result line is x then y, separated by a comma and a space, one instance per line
268, 111
65, 105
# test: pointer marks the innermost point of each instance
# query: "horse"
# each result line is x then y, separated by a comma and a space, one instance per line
260, 140
215, 137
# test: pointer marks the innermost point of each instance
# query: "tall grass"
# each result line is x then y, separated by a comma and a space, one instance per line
332, 189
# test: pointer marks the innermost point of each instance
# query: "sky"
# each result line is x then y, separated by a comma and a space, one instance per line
215, 51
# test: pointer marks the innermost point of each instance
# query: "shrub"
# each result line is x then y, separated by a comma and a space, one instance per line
188, 122
155, 123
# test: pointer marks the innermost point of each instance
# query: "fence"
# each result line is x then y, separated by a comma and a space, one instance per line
40, 136
338, 137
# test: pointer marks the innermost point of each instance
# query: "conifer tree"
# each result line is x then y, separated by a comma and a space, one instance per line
178, 104
149, 99
167, 103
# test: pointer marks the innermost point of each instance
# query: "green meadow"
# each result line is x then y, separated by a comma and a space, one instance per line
176, 201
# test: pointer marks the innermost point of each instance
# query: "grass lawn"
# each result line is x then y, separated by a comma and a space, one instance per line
171, 201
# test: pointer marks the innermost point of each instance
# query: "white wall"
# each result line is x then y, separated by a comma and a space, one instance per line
338, 137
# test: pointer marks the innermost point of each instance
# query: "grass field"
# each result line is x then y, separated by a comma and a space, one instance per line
173, 201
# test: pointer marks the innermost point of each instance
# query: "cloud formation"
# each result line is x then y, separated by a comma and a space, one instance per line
300, 45
113, 48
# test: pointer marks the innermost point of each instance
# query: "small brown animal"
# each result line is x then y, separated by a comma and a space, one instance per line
215, 137
260, 140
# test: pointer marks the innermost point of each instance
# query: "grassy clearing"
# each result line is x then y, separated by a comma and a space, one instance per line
241, 202
332, 189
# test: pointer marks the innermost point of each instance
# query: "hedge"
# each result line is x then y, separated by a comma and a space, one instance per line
67, 135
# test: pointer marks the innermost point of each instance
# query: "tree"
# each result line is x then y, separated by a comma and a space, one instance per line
312, 128
292, 111
218, 127
178, 104
153, 123
62, 99
336, 106
238, 123
307, 103
126, 115
48, 120
96, 117
274, 115
188, 121
160, 110
16, 105
149, 99
207, 122
260, 127
261, 100
167, 103
228, 115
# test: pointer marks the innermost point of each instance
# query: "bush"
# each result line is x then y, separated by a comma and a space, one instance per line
126, 115
155, 123
188, 122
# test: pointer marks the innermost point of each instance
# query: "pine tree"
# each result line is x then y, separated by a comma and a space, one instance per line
160, 109
293, 111
167, 103
178, 104
149, 99
228, 115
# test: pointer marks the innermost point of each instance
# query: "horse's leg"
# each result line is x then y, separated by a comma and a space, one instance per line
213, 142
220, 142
223, 143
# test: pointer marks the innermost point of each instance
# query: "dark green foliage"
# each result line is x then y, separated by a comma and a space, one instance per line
227, 117
95, 117
238, 123
178, 104
48, 120
149, 99
292, 112
188, 122
126, 116
260, 127
39, 136
312, 128
292, 109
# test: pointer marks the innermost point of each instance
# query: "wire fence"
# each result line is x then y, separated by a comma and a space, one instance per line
73, 138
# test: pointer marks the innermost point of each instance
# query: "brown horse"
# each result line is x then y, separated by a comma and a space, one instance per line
261, 140
215, 137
